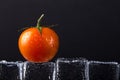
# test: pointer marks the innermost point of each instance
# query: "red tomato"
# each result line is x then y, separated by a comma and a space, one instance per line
38, 44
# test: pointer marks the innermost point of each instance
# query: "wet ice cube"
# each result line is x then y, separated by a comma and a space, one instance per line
71, 69
38, 71
9, 70
119, 71
103, 70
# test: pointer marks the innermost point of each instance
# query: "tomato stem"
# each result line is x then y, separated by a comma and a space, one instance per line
38, 22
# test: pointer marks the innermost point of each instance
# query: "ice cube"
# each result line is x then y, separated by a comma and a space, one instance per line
9, 70
71, 69
38, 71
103, 70
119, 71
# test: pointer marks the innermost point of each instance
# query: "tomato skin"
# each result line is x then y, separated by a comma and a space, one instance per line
38, 46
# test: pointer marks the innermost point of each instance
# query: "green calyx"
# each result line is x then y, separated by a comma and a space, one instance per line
38, 23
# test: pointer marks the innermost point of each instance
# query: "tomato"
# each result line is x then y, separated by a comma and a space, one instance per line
38, 44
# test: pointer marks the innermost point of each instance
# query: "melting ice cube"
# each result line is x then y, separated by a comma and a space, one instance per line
38, 71
9, 70
103, 70
71, 69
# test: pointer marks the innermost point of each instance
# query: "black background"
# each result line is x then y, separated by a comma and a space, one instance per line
87, 28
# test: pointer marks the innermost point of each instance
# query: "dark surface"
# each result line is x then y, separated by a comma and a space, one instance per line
71, 69
38, 71
103, 71
87, 28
